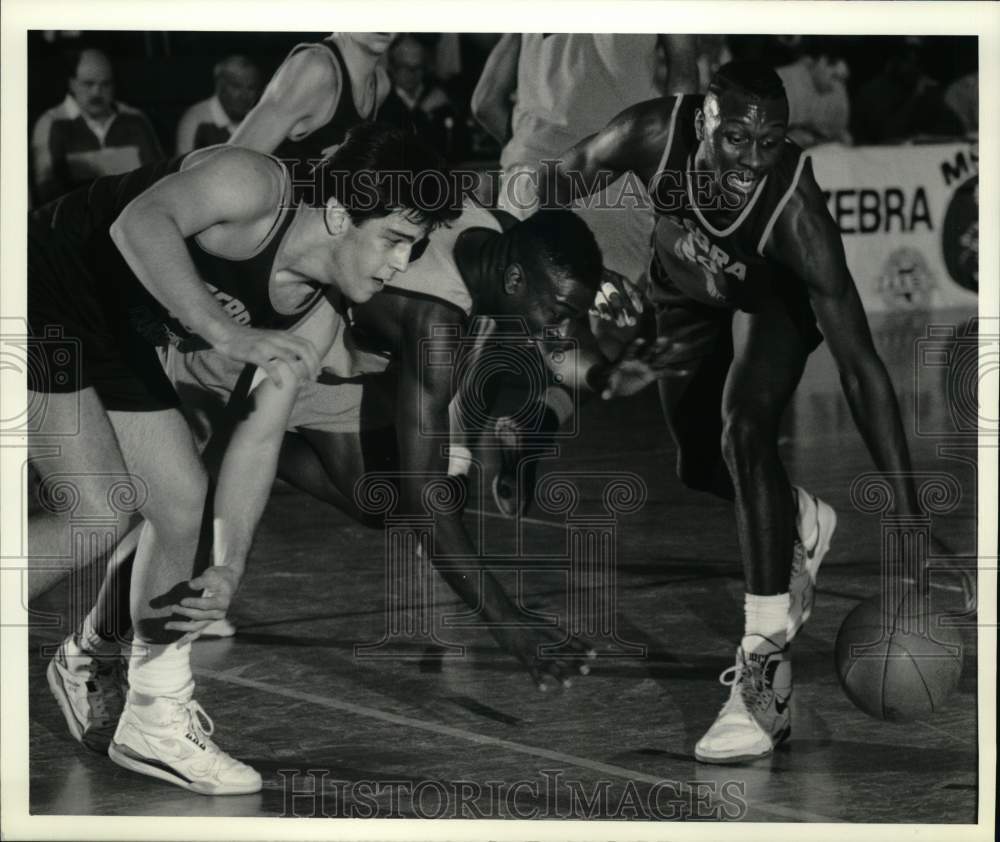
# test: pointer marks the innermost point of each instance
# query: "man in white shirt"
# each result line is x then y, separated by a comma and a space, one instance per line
89, 134
238, 86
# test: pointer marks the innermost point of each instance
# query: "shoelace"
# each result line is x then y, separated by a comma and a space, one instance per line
752, 690
199, 724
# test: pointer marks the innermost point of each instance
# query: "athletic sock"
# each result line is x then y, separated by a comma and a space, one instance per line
459, 460
765, 617
157, 671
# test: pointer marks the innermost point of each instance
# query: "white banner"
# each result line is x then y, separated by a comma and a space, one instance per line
909, 216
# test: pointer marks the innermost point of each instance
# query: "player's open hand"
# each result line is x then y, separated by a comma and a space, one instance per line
268, 349
618, 300
642, 363
548, 670
218, 585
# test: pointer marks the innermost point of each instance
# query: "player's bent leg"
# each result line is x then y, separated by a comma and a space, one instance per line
769, 357
87, 470
82, 476
691, 402
162, 731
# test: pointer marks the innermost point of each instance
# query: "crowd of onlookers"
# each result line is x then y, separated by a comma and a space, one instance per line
841, 89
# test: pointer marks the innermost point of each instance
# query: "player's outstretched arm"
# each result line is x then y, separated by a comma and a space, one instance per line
246, 476
807, 241
300, 93
491, 100
632, 142
423, 425
234, 187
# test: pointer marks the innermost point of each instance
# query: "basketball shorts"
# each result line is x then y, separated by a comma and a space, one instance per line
79, 338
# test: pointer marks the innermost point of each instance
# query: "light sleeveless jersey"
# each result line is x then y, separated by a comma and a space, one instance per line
570, 85
720, 267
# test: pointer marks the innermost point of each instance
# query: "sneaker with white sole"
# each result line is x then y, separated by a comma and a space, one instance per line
755, 717
171, 740
806, 560
90, 690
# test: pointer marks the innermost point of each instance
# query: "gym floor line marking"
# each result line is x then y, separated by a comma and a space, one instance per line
787, 813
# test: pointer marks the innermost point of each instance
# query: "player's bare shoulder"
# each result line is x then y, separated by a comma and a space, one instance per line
641, 132
308, 80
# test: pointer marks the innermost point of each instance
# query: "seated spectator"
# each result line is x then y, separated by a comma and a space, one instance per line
415, 101
237, 88
818, 108
902, 101
89, 134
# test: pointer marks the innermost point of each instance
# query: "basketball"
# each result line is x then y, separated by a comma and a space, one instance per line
897, 668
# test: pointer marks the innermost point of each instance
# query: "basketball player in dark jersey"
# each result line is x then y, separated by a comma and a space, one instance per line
746, 262
319, 92
209, 250
485, 279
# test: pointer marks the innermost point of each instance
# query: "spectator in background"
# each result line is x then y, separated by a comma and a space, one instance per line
902, 101
962, 97
89, 134
818, 108
415, 100
237, 88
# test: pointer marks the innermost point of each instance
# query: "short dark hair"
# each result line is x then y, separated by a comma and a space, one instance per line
555, 242
752, 79
379, 170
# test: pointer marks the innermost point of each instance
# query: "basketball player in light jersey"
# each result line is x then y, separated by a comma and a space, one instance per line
747, 262
319, 92
201, 251
568, 86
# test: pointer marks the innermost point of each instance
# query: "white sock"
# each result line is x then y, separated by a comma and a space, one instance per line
158, 671
459, 460
806, 526
765, 616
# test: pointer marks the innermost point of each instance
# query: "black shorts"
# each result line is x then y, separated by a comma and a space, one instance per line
79, 338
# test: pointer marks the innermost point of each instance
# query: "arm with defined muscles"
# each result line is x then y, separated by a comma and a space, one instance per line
423, 425
233, 187
807, 241
246, 476
301, 92
632, 142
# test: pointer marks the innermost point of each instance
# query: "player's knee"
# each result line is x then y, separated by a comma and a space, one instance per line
111, 501
744, 437
179, 511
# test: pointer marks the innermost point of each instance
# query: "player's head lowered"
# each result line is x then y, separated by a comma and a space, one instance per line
553, 269
741, 125
381, 193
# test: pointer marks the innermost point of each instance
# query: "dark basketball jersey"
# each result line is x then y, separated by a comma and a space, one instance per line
720, 267
315, 145
80, 224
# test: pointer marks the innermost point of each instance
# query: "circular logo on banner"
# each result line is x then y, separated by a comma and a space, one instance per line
906, 280
960, 235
